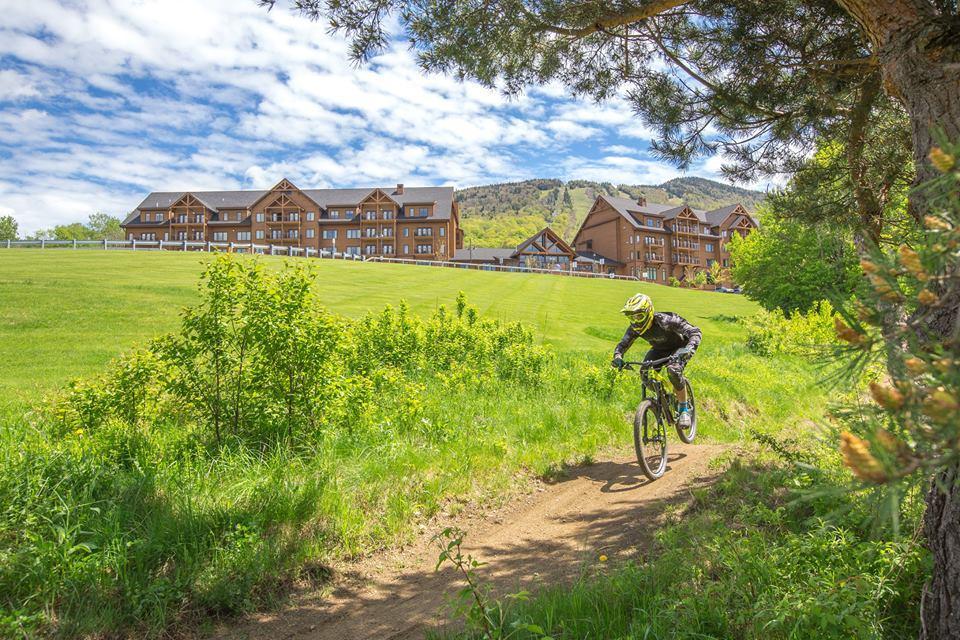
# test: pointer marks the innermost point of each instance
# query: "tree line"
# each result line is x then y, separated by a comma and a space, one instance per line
99, 226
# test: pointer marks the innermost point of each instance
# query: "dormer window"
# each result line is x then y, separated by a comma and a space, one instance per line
334, 214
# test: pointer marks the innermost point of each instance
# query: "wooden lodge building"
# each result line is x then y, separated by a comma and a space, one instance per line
543, 250
419, 222
658, 241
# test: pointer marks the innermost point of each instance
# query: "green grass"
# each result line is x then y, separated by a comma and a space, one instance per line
131, 530
67, 313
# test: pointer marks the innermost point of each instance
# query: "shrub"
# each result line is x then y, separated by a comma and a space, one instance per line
770, 332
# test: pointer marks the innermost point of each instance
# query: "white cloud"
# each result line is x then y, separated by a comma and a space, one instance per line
104, 100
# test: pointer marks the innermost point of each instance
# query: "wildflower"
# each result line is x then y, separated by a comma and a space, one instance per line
915, 365
942, 160
886, 396
78, 432
857, 457
847, 334
603, 558
927, 297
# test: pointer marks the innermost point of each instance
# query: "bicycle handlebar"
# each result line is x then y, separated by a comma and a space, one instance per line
649, 364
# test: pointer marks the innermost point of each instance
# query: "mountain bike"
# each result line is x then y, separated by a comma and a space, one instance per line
658, 409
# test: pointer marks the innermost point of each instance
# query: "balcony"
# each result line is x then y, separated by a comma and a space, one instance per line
652, 257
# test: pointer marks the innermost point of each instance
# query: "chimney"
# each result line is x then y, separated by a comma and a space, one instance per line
399, 189
642, 199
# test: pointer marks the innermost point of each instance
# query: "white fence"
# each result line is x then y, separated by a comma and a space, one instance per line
181, 245
270, 249
498, 267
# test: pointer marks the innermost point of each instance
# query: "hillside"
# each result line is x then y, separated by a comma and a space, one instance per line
502, 215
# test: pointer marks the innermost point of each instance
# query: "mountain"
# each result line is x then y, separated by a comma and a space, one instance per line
505, 214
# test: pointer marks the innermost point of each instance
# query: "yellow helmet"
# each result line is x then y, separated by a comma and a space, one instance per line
639, 309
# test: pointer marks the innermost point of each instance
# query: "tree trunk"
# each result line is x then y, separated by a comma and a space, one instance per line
940, 611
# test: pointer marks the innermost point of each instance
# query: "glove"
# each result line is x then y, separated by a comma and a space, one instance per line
684, 352
617, 362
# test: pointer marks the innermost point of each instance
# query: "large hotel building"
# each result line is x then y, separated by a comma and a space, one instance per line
419, 222
658, 241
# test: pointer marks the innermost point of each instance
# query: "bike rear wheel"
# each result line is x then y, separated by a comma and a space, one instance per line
650, 440
687, 435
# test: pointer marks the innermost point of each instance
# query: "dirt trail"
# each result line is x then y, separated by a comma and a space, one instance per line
547, 536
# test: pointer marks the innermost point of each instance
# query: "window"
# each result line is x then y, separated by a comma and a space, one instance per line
181, 235
148, 236
166, 236
371, 215
219, 236
406, 249
310, 216
311, 233
386, 232
259, 217
388, 248
411, 211
406, 232
387, 214
353, 233
293, 234
329, 234
259, 234
371, 232
726, 262
198, 218
424, 212
182, 218
650, 273
708, 246
370, 249
353, 251
334, 214
424, 248
243, 236
443, 231
423, 232
159, 217
276, 234
295, 216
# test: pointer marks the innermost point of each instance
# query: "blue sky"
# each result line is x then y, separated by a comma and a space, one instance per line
102, 101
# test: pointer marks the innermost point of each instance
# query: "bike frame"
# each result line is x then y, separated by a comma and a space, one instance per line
660, 397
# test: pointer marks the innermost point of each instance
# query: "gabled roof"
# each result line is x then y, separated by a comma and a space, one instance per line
442, 197
554, 237
631, 209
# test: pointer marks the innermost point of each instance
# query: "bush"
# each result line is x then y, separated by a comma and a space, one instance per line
771, 332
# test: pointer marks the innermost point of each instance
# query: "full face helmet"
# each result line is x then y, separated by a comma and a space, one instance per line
639, 310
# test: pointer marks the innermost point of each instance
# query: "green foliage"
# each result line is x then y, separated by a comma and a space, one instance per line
821, 261
805, 334
906, 319
8, 228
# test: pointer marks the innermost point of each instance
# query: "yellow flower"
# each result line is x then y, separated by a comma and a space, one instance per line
603, 558
78, 432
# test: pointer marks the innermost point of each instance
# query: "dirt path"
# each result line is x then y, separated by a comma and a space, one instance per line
547, 536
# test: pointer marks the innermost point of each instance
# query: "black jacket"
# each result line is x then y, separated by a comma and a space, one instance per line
667, 332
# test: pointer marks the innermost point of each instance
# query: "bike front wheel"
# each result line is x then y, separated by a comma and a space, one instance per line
650, 440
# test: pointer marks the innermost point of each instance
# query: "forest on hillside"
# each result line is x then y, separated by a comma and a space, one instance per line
505, 214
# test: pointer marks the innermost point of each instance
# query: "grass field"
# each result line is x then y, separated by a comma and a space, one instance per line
67, 313
129, 528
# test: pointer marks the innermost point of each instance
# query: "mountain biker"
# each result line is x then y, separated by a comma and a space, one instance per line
668, 335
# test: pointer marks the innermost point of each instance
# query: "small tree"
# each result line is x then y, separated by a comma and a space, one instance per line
716, 273
8, 228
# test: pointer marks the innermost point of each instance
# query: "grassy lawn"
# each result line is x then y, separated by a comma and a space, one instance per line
67, 313
130, 525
